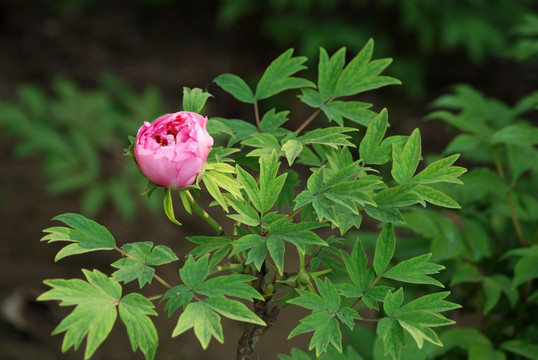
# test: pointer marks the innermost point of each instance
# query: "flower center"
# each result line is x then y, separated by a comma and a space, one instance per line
168, 137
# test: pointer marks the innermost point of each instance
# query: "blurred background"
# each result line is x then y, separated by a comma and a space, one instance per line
77, 77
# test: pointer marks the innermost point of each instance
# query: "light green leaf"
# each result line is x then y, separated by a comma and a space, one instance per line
256, 246
236, 285
85, 235
95, 311
436, 197
331, 136
250, 186
415, 270
385, 215
277, 77
178, 296
236, 86
393, 301
194, 99
206, 323
169, 207
134, 310
392, 334
441, 171
384, 249
137, 265
405, 160
326, 331
292, 148
232, 309
194, 272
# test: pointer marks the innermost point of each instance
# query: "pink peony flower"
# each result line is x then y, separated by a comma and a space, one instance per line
172, 150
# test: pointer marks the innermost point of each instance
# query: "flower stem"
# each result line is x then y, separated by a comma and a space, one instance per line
510, 200
308, 121
203, 214
257, 114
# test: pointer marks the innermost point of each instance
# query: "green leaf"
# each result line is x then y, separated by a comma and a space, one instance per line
331, 136
194, 99
256, 246
522, 348
385, 215
134, 310
393, 301
277, 77
392, 334
436, 197
246, 214
441, 171
232, 309
275, 245
356, 266
178, 296
169, 207
432, 302
397, 196
361, 74
355, 111
272, 121
384, 249
326, 331
251, 188
369, 149
95, 311
405, 160
137, 265
85, 235
214, 180
235, 285
206, 323
415, 270
238, 129
236, 86
292, 148
270, 183
520, 134
525, 270
329, 70
194, 272
492, 294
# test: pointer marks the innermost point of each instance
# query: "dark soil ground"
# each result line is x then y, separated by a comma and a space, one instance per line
180, 46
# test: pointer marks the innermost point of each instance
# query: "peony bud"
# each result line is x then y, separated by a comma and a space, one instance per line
172, 150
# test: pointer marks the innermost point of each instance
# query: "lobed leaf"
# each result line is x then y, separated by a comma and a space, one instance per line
85, 235
236, 86
194, 99
278, 76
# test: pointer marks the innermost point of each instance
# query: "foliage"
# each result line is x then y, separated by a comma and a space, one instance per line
300, 193
78, 136
492, 239
408, 29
